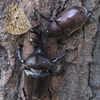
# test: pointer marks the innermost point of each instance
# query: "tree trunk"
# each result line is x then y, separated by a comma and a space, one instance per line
80, 78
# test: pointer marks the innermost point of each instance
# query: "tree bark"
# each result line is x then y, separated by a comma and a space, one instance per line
80, 79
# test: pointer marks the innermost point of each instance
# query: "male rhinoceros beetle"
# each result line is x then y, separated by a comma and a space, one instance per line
67, 21
36, 72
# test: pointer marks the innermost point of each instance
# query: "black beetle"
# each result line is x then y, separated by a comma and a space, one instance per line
36, 72
67, 22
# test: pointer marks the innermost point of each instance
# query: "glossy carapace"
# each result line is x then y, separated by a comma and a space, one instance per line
67, 21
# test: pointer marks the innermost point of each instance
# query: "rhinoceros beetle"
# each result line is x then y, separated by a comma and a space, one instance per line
67, 22
36, 72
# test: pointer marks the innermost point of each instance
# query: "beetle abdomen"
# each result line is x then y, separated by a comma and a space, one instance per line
36, 86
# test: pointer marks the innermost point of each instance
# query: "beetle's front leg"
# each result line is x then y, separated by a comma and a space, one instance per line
60, 57
55, 70
43, 16
19, 53
58, 70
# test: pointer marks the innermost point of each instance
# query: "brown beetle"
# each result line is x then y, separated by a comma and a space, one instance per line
68, 21
37, 71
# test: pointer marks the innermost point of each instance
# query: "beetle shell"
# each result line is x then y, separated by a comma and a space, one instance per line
36, 86
69, 20
38, 62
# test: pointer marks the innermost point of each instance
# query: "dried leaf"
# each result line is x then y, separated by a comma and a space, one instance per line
16, 21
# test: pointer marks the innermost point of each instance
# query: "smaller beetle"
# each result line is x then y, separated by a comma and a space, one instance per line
67, 22
36, 72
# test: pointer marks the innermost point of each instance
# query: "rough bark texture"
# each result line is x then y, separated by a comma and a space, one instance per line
81, 78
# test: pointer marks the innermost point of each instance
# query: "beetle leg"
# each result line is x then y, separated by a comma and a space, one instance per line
58, 58
19, 54
35, 28
50, 92
89, 14
47, 18
61, 56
